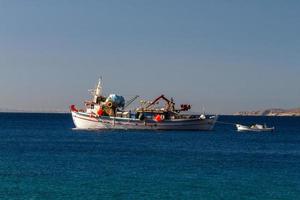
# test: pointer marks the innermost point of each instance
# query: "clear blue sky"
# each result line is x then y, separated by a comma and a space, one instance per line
224, 55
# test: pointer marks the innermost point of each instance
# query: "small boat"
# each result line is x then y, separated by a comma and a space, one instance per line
110, 112
255, 128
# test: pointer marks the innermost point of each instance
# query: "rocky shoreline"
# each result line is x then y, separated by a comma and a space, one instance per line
271, 112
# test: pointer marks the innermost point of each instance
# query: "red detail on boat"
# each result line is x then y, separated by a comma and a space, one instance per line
158, 118
87, 119
157, 99
100, 112
73, 108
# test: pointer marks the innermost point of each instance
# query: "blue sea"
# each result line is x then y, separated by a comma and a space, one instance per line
42, 157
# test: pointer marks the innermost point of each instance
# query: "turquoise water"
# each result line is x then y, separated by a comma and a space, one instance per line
41, 157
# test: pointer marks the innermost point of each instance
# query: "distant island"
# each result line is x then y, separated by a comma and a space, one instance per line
271, 112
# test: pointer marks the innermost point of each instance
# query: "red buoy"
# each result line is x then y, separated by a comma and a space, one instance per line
100, 112
158, 118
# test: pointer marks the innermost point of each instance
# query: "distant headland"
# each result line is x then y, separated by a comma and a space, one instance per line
271, 112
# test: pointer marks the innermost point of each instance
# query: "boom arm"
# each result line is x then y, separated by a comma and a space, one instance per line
157, 99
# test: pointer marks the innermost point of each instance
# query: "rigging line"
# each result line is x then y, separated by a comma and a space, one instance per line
229, 123
130, 101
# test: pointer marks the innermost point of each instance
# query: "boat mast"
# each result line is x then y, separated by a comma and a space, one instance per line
98, 91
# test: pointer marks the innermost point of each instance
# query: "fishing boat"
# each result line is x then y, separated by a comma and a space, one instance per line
255, 128
111, 113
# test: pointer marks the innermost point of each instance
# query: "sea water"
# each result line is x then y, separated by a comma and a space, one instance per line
42, 157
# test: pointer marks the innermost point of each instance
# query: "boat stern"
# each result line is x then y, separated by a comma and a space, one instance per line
83, 120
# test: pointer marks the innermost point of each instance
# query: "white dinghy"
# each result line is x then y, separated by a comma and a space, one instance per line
255, 128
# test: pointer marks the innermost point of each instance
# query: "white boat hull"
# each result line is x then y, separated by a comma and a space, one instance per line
85, 121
